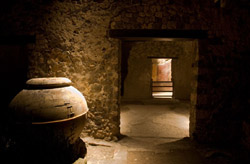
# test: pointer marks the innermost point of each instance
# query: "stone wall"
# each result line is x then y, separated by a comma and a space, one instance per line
137, 84
72, 41
183, 71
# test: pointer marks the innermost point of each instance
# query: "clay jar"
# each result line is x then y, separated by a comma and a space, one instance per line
49, 112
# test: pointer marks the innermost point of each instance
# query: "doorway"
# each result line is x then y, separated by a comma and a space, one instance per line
161, 83
157, 88
194, 36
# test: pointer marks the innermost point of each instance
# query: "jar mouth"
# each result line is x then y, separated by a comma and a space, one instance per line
48, 82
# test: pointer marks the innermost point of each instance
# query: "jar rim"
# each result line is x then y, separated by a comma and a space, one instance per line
48, 82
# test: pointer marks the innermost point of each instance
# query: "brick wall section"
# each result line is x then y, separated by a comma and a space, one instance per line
72, 41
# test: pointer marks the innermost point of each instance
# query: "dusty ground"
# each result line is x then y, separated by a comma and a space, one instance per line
155, 134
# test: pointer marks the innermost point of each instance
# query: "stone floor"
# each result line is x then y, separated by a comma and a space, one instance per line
155, 133
155, 121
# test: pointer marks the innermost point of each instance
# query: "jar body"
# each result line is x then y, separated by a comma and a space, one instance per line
50, 114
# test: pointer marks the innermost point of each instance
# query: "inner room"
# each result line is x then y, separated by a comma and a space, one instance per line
156, 84
161, 81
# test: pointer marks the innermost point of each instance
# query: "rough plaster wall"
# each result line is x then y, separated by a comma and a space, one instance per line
78, 48
182, 70
138, 81
223, 77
